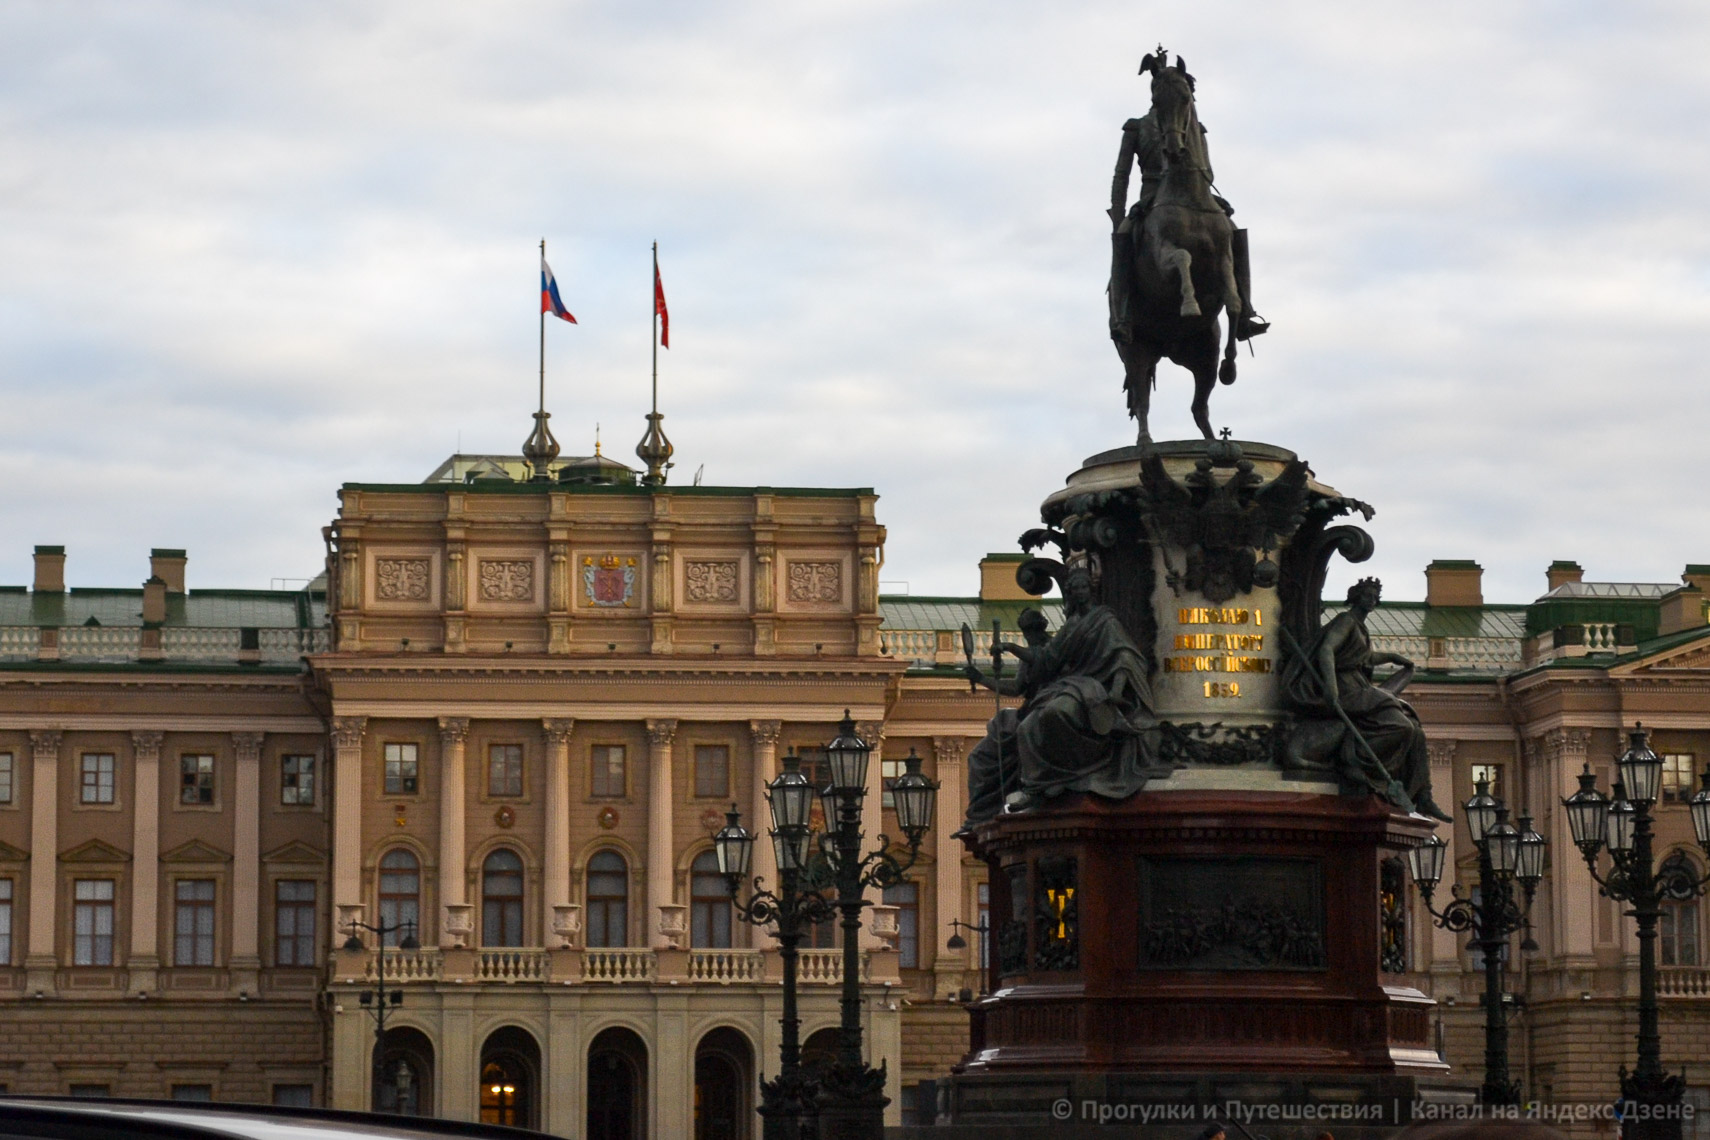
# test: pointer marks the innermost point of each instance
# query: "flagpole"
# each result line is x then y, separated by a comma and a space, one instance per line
543, 337
655, 299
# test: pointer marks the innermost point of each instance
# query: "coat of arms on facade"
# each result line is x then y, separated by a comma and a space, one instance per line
608, 580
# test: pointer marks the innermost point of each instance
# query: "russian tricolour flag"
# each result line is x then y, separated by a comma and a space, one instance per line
550, 301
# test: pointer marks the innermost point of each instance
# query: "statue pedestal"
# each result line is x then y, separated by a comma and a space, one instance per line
1193, 947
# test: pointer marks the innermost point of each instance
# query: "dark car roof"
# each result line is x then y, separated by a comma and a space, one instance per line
75, 1118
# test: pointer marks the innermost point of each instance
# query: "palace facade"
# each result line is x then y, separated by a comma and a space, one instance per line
508, 719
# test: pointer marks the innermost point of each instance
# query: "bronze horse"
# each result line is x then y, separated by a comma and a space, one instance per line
1174, 267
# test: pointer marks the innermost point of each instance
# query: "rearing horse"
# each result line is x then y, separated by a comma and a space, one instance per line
1173, 271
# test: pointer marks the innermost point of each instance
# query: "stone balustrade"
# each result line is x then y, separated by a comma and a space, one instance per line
622, 965
1683, 982
199, 644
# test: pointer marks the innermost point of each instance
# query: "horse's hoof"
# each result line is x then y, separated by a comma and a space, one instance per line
1190, 308
1226, 373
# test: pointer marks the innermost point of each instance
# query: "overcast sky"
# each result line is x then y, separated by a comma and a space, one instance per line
251, 251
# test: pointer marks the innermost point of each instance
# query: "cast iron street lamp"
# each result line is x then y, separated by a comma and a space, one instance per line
378, 1002
1506, 854
850, 1096
1624, 824
787, 1109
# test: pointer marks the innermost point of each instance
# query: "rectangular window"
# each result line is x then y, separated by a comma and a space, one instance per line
712, 770
297, 780
906, 898
504, 770
889, 770
5, 922
606, 760
1679, 781
400, 769
294, 922
97, 778
5, 777
92, 926
193, 1092
294, 1096
90, 1090
193, 941
196, 778
1491, 773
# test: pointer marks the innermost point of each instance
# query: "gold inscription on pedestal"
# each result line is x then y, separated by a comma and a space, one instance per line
1226, 650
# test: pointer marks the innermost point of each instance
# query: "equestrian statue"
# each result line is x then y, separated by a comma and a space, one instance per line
1177, 259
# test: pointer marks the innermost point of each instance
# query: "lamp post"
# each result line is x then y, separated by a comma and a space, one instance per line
380, 1003
1506, 855
1653, 1095
787, 1109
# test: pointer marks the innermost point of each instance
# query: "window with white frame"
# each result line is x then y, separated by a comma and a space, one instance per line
193, 930
297, 780
712, 770
1679, 781
906, 898
92, 922
889, 772
98, 779
1491, 774
1677, 933
196, 778
401, 769
6, 770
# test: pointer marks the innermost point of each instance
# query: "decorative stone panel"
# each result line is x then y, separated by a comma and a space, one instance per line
815, 583
507, 579
401, 579
712, 582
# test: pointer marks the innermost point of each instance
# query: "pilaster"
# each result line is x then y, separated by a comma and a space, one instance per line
347, 732
144, 958
453, 848
1442, 947
41, 961
873, 814
950, 753
660, 846
765, 733
246, 861
557, 837
1573, 893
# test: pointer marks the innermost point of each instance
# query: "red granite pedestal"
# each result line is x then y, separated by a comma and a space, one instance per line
1191, 947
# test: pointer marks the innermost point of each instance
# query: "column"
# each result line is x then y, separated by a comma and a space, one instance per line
660, 842
246, 860
44, 859
557, 815
1573, 895
951, 754
453, 848
347, 821
144, 957
1441, 947
760, 813
873, 813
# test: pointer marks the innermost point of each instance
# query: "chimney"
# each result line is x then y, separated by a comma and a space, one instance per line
1562, 572
1454, 582
997, 579
1683, 609
168, 566
1697, 576
154, 601
50, 570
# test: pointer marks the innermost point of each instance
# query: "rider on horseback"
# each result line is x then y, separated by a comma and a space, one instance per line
1143, 143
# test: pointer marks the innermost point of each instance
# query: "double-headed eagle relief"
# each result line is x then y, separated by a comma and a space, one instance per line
1177, 259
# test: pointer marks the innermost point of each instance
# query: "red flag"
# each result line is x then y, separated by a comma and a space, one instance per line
659, 307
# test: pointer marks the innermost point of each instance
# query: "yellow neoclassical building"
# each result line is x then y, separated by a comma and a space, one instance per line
509, 718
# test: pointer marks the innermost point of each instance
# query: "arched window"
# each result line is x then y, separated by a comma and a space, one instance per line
502, 899
608, 900
400, 895
709, 909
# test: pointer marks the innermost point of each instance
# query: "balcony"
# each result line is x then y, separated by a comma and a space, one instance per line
602, 966
1683, 982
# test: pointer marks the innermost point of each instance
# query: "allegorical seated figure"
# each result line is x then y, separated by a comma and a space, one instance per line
1343, 705
993, 772
1086, 724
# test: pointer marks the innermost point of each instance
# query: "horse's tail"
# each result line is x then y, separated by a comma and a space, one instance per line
1226, 373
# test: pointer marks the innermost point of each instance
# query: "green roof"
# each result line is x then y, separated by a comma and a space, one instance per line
202, 609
